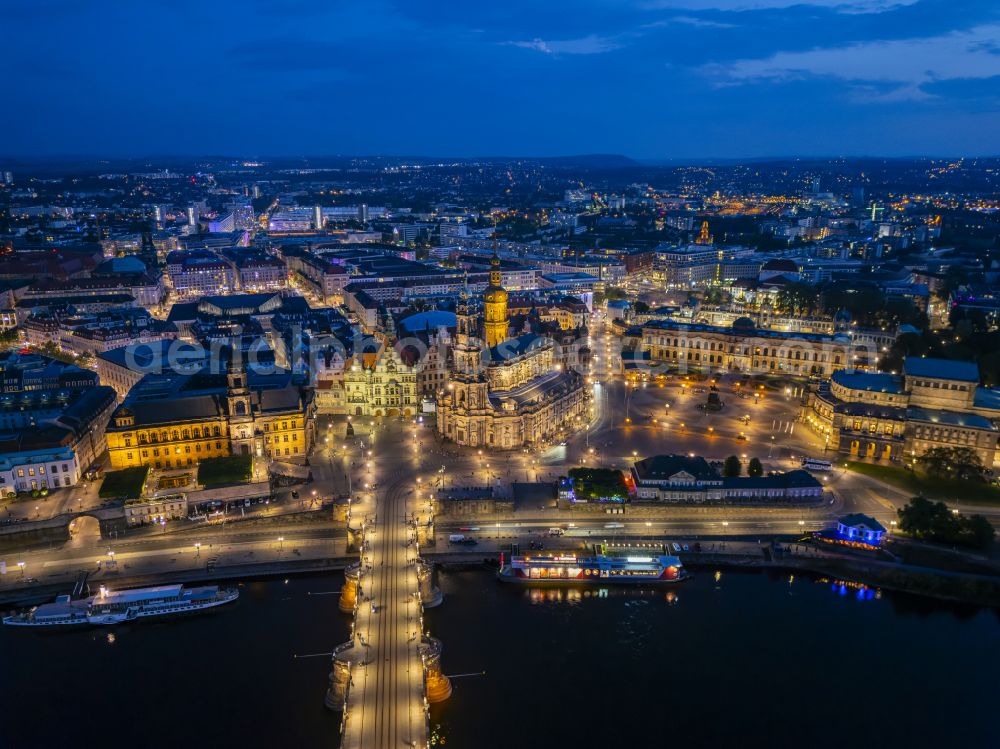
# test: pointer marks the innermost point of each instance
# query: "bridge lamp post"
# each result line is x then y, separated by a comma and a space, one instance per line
21, 565
281, 543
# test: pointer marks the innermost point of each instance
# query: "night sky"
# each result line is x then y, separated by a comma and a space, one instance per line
652, 79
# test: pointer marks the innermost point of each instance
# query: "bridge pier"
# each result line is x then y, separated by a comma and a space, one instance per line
430, 593
355, 539
436, 685
340, 677
349, 591
425, 533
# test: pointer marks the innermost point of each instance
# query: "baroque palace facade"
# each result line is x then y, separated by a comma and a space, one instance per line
743, 347
934, 403
505, 392
173, 421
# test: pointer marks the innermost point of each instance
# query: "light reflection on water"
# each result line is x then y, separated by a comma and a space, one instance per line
720, 644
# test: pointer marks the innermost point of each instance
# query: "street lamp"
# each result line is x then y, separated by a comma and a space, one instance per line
197, 550
21, 565
281, 543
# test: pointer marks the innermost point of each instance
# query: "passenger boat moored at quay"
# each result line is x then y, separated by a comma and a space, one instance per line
115, 607
604, 566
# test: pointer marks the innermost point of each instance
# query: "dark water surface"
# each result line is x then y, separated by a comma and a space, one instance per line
745, 660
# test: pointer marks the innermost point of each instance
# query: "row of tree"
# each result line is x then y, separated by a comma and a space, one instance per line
962, 463
933, 521
865, 302
733, 466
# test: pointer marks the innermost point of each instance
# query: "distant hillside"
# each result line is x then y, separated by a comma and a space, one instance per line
591, 160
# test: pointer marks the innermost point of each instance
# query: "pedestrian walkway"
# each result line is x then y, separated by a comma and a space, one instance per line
385, 704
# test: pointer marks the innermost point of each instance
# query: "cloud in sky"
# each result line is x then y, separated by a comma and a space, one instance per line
893, 70
841, 6
588, 45
698, 23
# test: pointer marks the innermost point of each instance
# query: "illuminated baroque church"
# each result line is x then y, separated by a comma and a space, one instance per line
495, 320
505, 392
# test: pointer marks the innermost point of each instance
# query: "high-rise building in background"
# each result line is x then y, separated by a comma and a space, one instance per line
160, 214
243, 215
223, 223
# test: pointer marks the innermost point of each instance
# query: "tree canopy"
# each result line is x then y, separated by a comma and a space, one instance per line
933, 521
732, 466
961, 463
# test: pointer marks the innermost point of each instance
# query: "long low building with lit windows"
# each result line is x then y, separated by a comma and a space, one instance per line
934, 403
682, 479
743, 347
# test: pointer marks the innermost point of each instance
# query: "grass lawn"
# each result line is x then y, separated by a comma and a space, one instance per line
970, 492
126, 483
233, 469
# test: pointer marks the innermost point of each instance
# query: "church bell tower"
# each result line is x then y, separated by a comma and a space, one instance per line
495, 322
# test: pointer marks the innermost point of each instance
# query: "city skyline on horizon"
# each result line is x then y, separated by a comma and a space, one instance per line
658, 80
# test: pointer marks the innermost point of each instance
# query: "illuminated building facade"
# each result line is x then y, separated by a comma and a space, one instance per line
380, 384
742, 347
510, 394
935, 403
174, 421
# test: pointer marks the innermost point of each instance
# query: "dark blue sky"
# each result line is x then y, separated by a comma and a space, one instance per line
646, 78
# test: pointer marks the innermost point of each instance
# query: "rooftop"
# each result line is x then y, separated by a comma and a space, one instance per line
855, 519
943, 369
878, 382
950, 418
663, 467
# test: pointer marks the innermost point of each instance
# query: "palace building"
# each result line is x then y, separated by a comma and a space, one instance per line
744, 347
934, 403
505, 392
175, 420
